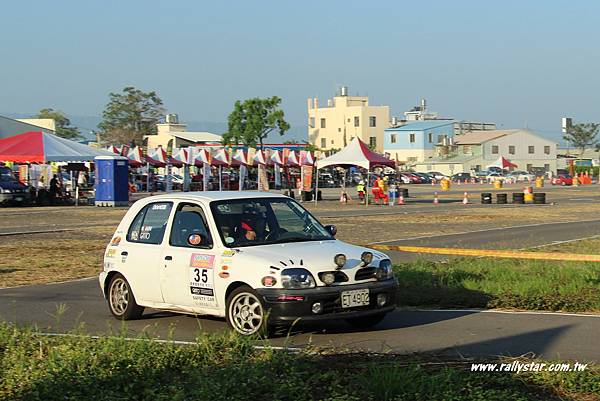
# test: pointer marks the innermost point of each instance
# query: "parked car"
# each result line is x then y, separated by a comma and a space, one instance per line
437, 175
326, 180
256, 259
425, 178
493, 176
409, 178
562, 179
12, 190
521, 176
461, 177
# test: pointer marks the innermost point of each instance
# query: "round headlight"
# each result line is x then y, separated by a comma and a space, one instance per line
339, 260
366, 257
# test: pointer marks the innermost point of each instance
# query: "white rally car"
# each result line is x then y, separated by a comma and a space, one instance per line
257, 259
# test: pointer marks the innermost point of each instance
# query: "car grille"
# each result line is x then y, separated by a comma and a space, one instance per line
365, 273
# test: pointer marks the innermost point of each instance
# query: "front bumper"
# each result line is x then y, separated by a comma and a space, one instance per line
330, 298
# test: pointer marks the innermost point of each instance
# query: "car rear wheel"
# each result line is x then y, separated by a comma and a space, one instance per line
366, 321
121, 301
246, 313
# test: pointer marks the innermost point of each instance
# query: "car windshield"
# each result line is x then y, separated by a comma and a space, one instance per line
264, 221
6, 175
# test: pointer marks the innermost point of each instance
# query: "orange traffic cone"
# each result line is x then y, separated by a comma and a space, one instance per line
435, 198
401, 200
466, 199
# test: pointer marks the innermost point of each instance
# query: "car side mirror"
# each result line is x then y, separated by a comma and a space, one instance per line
197, 239
331, 229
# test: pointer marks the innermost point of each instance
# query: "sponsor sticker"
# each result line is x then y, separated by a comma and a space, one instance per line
202, 261
115, 241
195, 239
159, 207
111, 253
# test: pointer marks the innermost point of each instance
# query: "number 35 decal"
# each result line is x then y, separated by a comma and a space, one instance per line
201, 275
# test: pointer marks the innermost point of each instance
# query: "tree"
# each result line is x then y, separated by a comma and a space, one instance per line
252, 120
63, 124
130, 115
582, 135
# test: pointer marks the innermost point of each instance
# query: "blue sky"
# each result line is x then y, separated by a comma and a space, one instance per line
516, 63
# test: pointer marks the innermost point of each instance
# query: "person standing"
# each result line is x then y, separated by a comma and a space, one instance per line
360, 189
54, 189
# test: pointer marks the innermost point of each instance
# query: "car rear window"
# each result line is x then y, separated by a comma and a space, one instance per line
149, 225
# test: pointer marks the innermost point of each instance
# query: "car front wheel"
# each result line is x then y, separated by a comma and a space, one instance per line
246, 313
121, 301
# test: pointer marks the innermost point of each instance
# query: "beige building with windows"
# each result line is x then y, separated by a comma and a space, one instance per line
343, 118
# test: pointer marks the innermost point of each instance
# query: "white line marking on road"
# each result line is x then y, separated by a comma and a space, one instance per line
507, 312
581, 199
486, 229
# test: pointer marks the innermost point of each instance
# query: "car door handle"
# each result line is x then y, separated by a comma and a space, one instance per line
168, 257
124, 253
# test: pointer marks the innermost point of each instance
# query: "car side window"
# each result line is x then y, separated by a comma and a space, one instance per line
189, 219
149, 225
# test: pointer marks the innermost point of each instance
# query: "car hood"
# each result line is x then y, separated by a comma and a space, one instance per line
315, 256
12, 185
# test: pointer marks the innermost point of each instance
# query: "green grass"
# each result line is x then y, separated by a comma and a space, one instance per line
501, 283
227, 367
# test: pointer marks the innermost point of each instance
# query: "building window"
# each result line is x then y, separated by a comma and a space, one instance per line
430, 137
547, 167
511, 149
311, 122
356, 121
412, 138
323, 123
372, 141
323, 142
531, 150
467, 149
547, 150
441, 138
494, 149
529, 166
332, 142
393, 138
339, 130
372, 121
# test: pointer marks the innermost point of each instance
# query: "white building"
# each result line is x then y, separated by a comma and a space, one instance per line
173, 130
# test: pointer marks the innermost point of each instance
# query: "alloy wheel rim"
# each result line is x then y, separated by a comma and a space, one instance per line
246, 313
119, 296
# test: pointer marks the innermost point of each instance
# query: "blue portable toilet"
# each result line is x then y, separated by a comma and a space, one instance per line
112, 181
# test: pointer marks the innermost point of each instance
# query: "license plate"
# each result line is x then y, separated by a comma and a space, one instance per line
354, 298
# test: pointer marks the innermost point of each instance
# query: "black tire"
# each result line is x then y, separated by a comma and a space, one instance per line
121, 302
246, 313
365, 322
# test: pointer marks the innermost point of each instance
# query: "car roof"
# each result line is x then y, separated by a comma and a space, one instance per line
209, 196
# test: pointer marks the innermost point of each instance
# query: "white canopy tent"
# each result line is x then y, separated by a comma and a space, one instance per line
357, 153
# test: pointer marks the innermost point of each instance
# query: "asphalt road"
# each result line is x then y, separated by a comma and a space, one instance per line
470, 333
466, 333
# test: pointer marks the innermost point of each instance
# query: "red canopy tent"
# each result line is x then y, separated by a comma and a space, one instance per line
40, 147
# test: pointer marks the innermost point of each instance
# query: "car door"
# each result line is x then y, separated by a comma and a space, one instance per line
188, 260
138, 256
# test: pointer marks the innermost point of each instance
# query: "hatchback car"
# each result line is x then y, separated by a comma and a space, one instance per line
257, 259
562, 179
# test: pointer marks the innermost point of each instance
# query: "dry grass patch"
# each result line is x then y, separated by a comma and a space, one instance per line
47, 258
